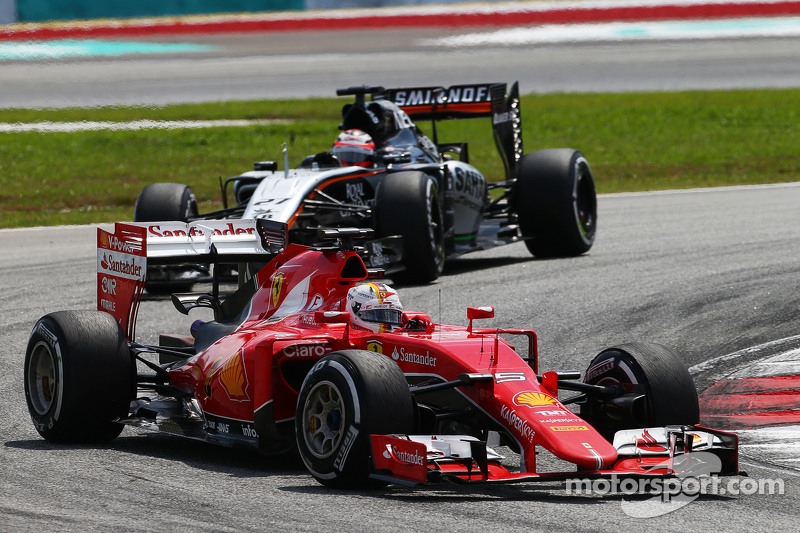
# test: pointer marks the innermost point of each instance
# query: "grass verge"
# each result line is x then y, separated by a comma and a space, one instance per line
633, 141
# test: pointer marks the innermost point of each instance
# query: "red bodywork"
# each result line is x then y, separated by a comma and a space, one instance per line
242, 373
247, 382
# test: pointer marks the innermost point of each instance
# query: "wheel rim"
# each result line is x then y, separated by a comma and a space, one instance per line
42, 384
436, 230
323, 420
625, 377
586, 206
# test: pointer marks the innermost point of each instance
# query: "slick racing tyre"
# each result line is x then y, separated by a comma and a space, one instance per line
79, 376
556, 203
167, 202
657, 389
346, 397
408, 204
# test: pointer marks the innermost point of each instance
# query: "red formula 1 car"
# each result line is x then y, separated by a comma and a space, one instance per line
284, 366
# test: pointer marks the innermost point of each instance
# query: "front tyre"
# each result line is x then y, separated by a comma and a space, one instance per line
348, 396
658, 389
556, 202
79, 376
408, 204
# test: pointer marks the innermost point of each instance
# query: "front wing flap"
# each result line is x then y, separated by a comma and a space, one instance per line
413, 460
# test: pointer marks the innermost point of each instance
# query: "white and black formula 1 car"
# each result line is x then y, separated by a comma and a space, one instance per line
423, 198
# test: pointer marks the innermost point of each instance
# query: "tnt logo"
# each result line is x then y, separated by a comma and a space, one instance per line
109, 286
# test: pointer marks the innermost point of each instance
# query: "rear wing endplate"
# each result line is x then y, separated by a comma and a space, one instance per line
469, 101
123, 256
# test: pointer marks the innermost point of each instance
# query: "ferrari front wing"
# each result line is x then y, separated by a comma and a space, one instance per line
674, 451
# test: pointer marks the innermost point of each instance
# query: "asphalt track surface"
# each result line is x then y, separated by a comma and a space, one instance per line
708, 273
705, 272
297, 65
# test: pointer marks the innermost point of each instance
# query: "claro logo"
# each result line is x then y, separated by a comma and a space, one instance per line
306, 350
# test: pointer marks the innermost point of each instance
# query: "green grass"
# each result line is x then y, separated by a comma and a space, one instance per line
634, 142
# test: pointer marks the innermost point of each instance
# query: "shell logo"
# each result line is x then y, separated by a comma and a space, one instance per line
533, 399
210, 375
277, 285
233, 377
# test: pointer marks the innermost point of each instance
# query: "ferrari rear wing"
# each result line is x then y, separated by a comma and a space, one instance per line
123, 256
468, 101
211, 241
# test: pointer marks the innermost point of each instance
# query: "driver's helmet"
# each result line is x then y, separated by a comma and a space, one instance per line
374, 307
354, 147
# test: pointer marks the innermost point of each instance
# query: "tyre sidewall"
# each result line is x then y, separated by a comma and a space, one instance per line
434, 218
45, 336
656, 371
94, 374
376, 400
165, 201
581, 178
350, 458
408, 204
615, 366
553, 188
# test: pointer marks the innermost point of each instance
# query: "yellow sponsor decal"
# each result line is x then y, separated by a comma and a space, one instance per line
533, 399
569, 428
233, 377
277, 285
375, 346
209, 375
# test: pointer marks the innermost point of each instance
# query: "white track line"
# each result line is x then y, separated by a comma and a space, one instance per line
69, 127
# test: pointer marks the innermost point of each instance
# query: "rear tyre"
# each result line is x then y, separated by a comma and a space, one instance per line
79, 377
165, 201
168, 202
348, 396
556, 202
408, 204
659, 390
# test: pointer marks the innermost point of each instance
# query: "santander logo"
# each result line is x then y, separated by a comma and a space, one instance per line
406, 457
128, 267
